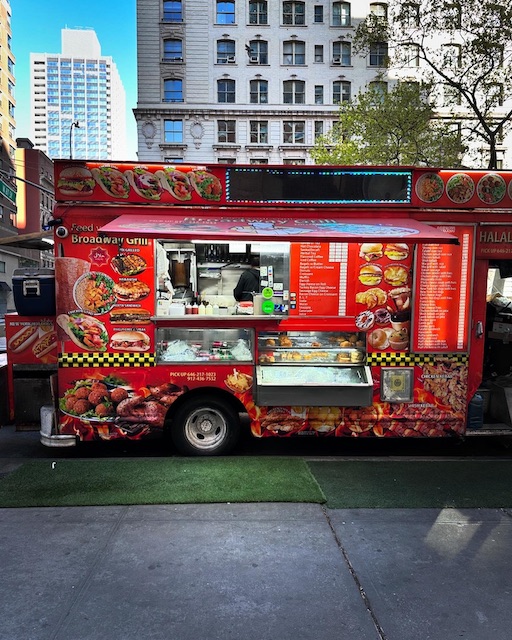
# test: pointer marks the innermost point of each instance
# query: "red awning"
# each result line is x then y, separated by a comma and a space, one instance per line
188, 227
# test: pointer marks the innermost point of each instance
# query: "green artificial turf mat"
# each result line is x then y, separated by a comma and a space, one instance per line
415, 484
161, 481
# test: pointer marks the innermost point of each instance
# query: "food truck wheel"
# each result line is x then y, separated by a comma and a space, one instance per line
205, 427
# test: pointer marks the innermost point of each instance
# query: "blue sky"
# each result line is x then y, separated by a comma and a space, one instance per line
36, 28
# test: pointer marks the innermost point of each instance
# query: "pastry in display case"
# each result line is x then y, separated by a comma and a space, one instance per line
203, 345
332, 371
311, 347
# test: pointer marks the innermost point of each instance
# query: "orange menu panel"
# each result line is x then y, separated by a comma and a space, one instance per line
443, 293
318, 280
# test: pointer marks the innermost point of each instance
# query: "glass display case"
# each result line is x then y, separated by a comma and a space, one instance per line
204, 345
332, 369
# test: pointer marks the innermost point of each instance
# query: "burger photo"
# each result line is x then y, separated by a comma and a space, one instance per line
75, 181
370, 274
129, 341
371, 251
396, 251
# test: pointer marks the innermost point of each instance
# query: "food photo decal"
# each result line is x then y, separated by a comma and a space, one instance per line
119, 182
385, 294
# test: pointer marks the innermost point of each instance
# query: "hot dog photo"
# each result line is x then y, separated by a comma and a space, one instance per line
23, 338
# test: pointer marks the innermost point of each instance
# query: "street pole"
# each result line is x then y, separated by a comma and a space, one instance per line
77, 125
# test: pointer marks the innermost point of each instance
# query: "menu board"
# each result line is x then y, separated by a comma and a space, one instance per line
104, 291
442, 296
318, 279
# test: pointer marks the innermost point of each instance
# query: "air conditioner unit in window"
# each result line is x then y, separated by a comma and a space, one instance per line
336, 60
253, 59
230, 59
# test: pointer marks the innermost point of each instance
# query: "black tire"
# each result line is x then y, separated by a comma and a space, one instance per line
205, 427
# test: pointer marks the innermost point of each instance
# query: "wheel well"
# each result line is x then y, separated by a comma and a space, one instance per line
203, 392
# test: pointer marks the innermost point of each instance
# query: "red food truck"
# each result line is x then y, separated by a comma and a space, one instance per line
371, 316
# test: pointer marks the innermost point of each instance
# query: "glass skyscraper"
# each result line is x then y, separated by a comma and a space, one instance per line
78, 101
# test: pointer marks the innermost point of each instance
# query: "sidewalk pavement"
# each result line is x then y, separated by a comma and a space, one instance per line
267, 571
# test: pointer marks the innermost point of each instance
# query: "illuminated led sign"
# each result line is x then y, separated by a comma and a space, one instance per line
320, 186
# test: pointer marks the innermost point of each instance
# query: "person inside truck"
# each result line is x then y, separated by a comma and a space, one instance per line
249, 282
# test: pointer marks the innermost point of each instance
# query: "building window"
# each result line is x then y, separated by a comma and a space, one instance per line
319, 52
452, 55
258, 161
225, 12
294, 132
410, 15
379, 86
319, 94
258, 52
226, 131
294, 52
174, 160
225, 51
319, 13
378, 54
173, 11
452, 16
226, 160
258, 12
258, 92
341, 14
295, 161
411, 55
173, 131
451, 96
259, 132
379, 9
226, 91
319, 129
495, 94
173, 50
342, 53
2, 263
341, 92
294, 92
173, 90
294, 13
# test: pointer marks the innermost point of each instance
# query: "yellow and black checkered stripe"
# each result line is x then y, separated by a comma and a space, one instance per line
401, 359
76, 360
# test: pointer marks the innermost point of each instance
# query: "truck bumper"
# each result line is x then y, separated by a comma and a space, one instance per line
47, 433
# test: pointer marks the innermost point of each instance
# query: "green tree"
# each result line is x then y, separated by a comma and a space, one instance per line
463, 47
390, 128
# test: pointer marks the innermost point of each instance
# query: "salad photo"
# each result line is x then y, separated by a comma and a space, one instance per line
460, 188
429, 187
94, 293
491, 188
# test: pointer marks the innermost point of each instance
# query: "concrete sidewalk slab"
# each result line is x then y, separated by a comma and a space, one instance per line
205, 571
430, 573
